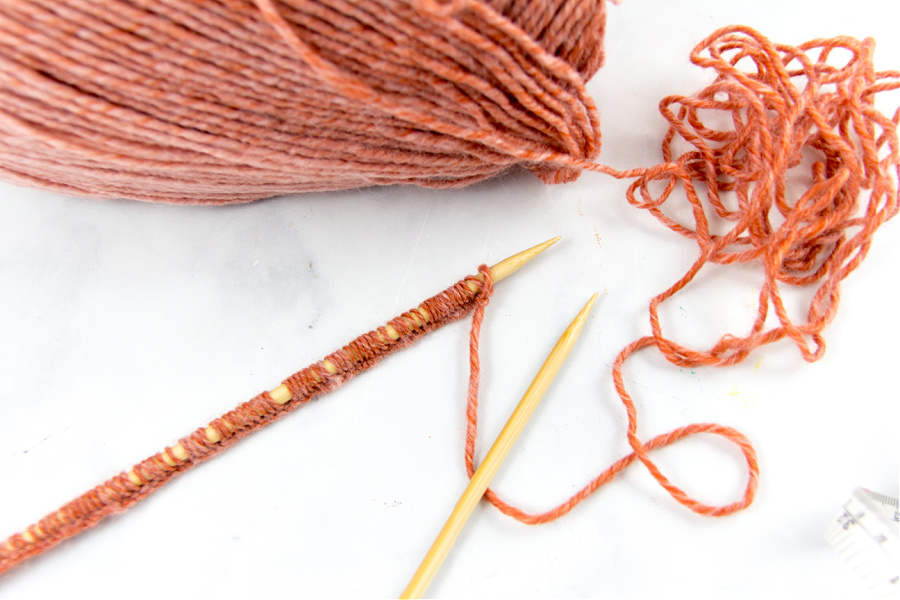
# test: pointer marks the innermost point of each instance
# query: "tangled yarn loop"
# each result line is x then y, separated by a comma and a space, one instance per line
797, 122
235, 100
775, 119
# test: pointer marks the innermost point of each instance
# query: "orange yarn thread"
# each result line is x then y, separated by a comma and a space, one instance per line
123, 490
786, 105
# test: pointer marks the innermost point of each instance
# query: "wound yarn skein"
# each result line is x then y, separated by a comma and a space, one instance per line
223, 101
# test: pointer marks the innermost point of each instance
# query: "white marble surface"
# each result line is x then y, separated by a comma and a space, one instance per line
124, 326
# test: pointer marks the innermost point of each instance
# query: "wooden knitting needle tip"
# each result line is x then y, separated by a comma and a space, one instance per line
508, 266
495, 456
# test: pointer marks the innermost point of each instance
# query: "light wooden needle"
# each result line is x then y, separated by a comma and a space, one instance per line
282, 395
507, 267
495, 456
117, 493
501, 270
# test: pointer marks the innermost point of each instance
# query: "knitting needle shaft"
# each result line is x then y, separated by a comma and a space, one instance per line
125, 489
495, 456
282, 394
501, 270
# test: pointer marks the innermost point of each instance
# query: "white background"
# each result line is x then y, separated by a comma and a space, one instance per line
125, 325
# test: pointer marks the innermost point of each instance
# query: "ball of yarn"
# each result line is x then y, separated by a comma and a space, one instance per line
217, 101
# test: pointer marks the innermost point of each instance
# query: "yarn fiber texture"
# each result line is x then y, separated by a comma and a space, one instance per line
220, 101
127, 488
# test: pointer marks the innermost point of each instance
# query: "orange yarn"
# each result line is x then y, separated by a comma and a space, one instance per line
786, 105
236, 100
126, 489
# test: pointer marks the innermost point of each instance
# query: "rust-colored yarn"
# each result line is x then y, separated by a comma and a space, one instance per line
125, 489
789, 109
219, 101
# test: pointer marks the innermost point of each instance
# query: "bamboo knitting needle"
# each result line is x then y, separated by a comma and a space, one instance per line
127, 488
495, 456
500, 271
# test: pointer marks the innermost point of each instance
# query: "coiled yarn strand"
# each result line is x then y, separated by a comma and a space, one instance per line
790, 109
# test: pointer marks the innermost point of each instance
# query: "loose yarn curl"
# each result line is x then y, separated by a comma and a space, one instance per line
223, 101
775, 110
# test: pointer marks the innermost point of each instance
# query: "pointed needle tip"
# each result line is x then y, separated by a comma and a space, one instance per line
578, 323
507, 267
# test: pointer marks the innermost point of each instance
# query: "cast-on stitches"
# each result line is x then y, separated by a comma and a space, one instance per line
127, 488
234, 100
